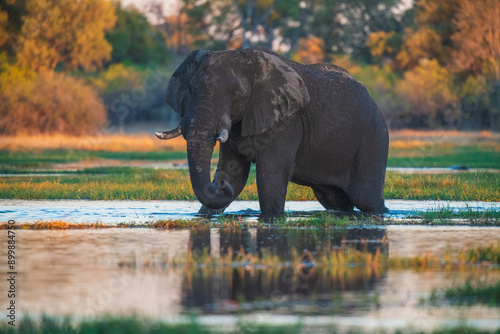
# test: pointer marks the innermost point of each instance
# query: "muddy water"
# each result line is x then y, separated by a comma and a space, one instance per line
127, 271
112, 212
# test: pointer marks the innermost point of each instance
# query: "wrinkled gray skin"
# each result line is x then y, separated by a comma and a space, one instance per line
314, 125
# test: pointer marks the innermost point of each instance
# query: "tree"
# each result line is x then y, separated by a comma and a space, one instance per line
345, 26
11, 13
421, 44
476, 38
134, 39
382, 44
476, 42
219, 24
431, 37
67, 32
428, 92
4, 18
177, 38
310, 50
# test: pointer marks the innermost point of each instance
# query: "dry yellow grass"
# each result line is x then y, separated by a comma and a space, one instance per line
66, 225
409, 134
410, 139
408, 144
56, 225
401, 139
106, 142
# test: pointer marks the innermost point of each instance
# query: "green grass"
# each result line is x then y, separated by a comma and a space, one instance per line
472, 156
489, 253
28, 160
458, 187
133, 325
470, 293
443, 216
148, 184
107, 325
461, 329
128, 183
11, 162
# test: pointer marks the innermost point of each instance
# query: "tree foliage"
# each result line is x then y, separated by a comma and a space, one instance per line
310, 50
34, 103
431, 38
342, 25
11, 21
66, 32
426, 66
476, 37
4, 18
236, 24
130, 94
134, 39
428, 93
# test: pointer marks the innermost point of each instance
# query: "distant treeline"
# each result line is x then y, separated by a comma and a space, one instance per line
73, 66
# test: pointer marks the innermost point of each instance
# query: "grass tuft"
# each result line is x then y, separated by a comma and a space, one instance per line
470, 293
151, 184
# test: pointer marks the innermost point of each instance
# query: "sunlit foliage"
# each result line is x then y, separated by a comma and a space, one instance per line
424, 43
70, 33
310, 50
381, 43
4, 37
32, 103
477, 37
427, 91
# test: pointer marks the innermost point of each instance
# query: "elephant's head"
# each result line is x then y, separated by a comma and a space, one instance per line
213, 91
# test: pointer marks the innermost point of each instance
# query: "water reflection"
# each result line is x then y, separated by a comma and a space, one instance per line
79, 272
297, 280
283, 241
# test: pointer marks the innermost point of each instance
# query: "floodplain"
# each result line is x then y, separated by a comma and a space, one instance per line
108, 236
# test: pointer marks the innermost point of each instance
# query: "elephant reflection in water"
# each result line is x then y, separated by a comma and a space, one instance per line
215, 289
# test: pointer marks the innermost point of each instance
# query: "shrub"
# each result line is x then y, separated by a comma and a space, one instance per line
132, 95
309, 50
34, 104
428, 93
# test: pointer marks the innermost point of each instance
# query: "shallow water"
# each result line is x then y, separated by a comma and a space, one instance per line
113, 212
64, 168
90, 272
128, 271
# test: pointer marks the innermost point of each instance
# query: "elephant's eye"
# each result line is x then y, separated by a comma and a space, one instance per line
235, 91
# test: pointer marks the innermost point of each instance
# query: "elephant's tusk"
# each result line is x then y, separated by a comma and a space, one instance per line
223, 135
169, 134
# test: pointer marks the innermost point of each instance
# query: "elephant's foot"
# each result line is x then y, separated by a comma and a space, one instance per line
206, 211
333, 198
381, 210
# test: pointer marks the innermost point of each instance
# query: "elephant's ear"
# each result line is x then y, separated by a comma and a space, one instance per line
278, 91
179, 87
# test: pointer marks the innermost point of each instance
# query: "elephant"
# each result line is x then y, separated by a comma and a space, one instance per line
313, 125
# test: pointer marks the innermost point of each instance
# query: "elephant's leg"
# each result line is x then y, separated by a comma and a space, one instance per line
231, 168
272, 186
367, 191
274, 167
332, 198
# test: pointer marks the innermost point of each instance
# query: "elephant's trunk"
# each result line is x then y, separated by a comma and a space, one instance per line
214, 196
